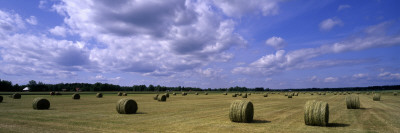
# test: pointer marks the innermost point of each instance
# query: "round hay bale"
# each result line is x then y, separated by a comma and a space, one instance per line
174, 93
316, 113
352, 102
126, 106
234, 95
52, 93
119, 94
76, 96
206, 93
40, 103
1, 99
296, 94
265, 95
124, 94
286, 94
245, 95
155, 97
249, 94
58, 93
225, 93
184, 93
99, 95
311, 93
16, 96
162, 98
289, 96
196, 93
167, 95
377, 97
241, 111
394, 93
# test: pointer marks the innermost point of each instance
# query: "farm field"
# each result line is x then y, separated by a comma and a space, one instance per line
196, 113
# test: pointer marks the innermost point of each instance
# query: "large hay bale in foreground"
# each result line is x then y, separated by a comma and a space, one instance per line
76, 96
1, 99
245, 95
155, 97
40, 103
126, 106
352, 102
316, 113
377, 97
162, 98
16, 96
241, 111
119, 93
99, 95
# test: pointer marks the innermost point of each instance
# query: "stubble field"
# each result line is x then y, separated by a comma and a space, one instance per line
195, 113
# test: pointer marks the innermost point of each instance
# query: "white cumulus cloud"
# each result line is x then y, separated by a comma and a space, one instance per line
329, 23
331, 79
276, 42
239, 8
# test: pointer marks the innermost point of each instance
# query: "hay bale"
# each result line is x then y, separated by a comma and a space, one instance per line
394, 93
296, 94
311, 93
76, 96
289, 96
58, 93
184, 93
52, 93
377, 97
16, 96
249, 94
196, 93
99, 95
156, 97
234, 95
206, 93
225, 93
286, 94
119, 94
40, 103
167, 95
124, 94
174, 93
241, 111
316, 113
245, 95
162, 98
352, 102
126, 106
265, 95
240, 94
1, 99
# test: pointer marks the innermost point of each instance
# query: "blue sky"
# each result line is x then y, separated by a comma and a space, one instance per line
203, 43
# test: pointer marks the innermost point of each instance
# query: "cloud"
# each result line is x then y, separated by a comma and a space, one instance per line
314, 79
342, 7
10, 22
210, 72
239, 8
276, 42
360, 75
329, 23
300, 59
31, 20
59, 31
389, 75
331, 79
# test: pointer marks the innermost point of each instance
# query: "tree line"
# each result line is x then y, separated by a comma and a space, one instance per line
40, 86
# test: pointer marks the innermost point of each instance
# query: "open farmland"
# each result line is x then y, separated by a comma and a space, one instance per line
196, 113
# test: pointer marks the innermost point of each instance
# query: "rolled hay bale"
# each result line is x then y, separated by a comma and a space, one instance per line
394, 93
245, 95
225, 93
249, 94
241, 111
155, 97
184, 93
16, 96
162, 98
311, 93
352, 102
126, 106
99, 95
206, 93
40, 103
167, 95
1, 99
265, 95
52, 93
377, 97
119, 94
286, 94
76, 96
289, 96
124, 94
296, 94
316, 113
196, 93
174, 93
234, 95
58, 93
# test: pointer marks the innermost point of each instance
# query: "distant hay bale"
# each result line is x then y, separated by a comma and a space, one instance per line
289, 96
167, 95
156, 97
1, 99
311, 93
249, 94
16, 96
377, 97
240, 94
184, 93
234, 95
76, 96
174, 93
196, 93
286, 94
58, 93
162, 98
124, 94
241, 111
126, 106
206, 93
119, 94
225, 93
296, 94
316, 113
245, 95
265, 95
99, 95
40, 103
395, 93
352, 102
52, 93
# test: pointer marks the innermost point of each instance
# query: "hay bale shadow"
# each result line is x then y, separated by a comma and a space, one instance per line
140, 113
337, 125
364, 108
260, 121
